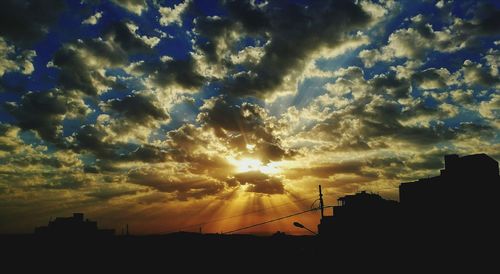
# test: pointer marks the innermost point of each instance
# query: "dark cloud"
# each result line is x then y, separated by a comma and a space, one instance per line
417, 41
215, 166
253, 19
44, 112
380, 118
166, 73
424, 135
244, 16
247, 124
185, 140
90, 169
379, 114
38, 159
486, 20
463, 98
470, 129
432, 76
183, 188
391, 84
416, 135
76, 74
212, 29
385, 117
293, 32
187, 145
81, 61
390, 167
24, 22
147, 154
419, 109
259, 182
424, 29
106, 193
476, 74
224, 114
126, 39
427, 162
90, 138
327, 170
353, 144
138, 108
66, 182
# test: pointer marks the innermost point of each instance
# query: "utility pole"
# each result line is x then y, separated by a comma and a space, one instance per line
321, 205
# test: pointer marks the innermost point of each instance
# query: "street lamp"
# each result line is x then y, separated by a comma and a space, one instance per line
299, 225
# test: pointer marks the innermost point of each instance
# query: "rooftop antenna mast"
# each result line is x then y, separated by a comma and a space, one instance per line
321, 205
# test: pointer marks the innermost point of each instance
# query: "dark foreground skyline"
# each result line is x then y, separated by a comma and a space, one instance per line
429, 227
170, 114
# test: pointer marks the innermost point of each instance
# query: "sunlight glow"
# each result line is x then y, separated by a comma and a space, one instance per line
251, 164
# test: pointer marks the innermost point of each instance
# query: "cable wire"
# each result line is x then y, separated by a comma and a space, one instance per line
269, 221
239, 215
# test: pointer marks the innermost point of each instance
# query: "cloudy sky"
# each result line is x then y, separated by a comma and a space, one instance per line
167, 114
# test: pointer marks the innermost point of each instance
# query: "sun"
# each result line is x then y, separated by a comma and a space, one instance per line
251, 164
248, 164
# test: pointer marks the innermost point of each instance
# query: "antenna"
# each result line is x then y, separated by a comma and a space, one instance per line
321, 205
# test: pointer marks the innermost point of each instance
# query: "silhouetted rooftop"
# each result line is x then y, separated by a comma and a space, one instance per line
72, 226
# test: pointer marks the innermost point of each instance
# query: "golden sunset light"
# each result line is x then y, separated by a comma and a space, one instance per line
247, 135
189, 115
249, 164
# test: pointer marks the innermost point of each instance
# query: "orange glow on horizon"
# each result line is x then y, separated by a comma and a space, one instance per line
246, 209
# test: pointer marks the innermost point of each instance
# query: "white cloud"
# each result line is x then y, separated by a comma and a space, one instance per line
151, 41
173, 15
134, 6
477, 74
463, 97
248, 55
413, 43
491, 109
433, 78
94, 19
9, 61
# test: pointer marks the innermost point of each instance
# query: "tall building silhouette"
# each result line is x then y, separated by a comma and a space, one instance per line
461, 201
462, 197
461, 176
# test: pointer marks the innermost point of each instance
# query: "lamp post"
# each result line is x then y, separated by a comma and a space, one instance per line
299, 225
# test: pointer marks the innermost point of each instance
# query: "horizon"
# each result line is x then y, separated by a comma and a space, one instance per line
168, 115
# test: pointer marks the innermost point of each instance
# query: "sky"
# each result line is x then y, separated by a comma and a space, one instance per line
176, 115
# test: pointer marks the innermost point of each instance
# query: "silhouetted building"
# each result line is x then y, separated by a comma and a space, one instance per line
73, 226
461, 200
361, 211
463, 195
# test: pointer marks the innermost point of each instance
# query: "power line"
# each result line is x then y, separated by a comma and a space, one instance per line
273, 220
270, 221
239, 215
